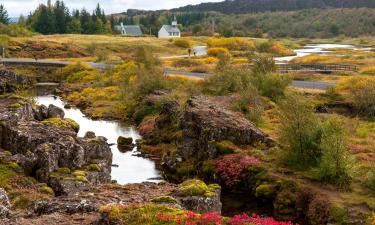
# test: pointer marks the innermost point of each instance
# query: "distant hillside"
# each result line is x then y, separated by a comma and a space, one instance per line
251, 6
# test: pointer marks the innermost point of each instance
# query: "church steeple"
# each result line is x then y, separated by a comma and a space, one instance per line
174, 21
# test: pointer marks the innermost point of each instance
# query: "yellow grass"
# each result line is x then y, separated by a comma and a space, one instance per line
185, 77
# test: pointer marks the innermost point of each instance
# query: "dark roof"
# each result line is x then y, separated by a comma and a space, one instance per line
170, 28
133, 30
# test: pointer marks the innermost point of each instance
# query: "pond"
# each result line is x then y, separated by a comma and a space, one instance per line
131, 168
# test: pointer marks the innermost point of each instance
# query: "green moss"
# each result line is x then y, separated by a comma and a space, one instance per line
47, 190
14, 166
214, 187
61, 172
62, 123
78, 173
164, 199
6, 174
196, 188
225, 147
93, 167
137, 214
15, 106
186, 168
81, 179
8, 153
338, 215
265, 190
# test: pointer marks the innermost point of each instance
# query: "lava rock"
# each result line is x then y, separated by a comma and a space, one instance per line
54, 111
125, 144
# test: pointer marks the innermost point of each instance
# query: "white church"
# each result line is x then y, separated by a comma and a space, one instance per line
170, 31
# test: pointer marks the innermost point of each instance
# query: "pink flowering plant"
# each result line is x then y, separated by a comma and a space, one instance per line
213, 218
231, 167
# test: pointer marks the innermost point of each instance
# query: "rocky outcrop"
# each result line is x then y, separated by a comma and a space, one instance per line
41, 149
4, 204
205, 122
9, 81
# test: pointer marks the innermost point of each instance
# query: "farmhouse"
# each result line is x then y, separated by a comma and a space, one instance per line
129, 30
170, 31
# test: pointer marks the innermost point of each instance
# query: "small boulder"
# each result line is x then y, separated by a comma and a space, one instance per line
90, 134
40, 112
125, 144
55, 112
4, 204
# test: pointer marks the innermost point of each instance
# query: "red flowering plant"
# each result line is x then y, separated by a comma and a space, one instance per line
213, 218
231, 167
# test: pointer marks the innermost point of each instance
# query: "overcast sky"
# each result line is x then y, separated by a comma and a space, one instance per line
17, 7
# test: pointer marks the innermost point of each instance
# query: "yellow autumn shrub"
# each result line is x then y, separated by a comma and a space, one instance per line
232, 43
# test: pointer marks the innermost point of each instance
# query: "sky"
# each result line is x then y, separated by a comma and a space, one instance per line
17, 7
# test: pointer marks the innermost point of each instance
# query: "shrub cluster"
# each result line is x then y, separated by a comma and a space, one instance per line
311, 142
231, 43
231, 167
182, 43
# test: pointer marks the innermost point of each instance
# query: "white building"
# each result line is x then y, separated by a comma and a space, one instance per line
129, 30
170, 31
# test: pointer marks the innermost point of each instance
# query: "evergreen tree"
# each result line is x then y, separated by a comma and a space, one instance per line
22, 21
43, 22
4, 18
74, 26
62, 16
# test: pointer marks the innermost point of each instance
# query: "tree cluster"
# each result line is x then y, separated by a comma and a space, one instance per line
57, 19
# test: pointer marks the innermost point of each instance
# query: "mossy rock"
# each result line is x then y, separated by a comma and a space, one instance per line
265, 191
93, 167
15, 105
197, 188
62, 123
163, 199
60, 172
47, 190
79, 173
81, 179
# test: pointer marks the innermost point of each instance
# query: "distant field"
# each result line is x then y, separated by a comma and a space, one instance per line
91, 47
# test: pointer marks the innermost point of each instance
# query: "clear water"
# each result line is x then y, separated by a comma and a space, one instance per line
131, 169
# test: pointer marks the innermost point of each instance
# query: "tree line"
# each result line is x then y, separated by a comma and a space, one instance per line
57, 19
254, 6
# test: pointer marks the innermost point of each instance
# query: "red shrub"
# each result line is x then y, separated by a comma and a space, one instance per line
231, 167
212, 218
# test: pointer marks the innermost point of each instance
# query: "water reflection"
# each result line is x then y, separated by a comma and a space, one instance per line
131, 169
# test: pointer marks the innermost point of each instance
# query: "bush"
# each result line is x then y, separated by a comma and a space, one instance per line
231, 43
227, 81
361, 92
210, 60
250, 104
370, 70
215, 52
299, 131
336, 161
182, 43
231, 168
370, 179
271, 85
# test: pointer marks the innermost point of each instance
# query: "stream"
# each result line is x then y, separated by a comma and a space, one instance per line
131, 168
317, 49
